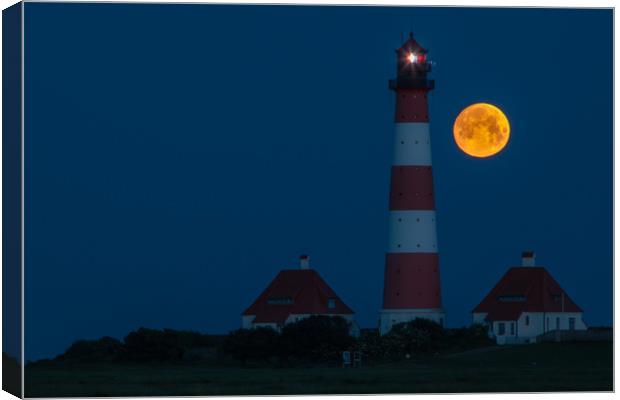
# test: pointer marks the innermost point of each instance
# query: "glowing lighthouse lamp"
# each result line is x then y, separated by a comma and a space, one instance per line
416, 58
411, 285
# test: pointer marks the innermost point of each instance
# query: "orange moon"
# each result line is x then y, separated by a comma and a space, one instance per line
481, 130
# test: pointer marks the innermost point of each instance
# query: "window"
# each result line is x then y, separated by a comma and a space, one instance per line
527, 320
557, 323
512, 328
331, 303
501, 328
571, 323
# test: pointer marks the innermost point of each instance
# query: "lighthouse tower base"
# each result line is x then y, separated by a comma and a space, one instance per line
389, 318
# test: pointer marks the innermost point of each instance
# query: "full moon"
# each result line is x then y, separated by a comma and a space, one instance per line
481, 130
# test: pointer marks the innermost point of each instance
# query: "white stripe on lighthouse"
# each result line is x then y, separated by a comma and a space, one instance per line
412, 231
412, 144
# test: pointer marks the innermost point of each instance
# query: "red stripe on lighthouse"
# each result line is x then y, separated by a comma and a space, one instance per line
411, 105
411, 281
411, 188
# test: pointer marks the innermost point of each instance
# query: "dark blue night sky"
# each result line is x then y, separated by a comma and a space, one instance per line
179, 156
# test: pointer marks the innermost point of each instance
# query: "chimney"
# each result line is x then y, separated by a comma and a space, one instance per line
528, 259
304, 262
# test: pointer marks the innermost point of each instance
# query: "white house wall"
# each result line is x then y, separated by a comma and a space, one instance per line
479, 318
545, 322
539, 323
246, 321
298, 317
535, 326
507, 329
564, 324
271, 325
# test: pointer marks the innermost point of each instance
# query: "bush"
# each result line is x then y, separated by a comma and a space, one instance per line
144, 345
103, 349
404, 339
479, 334
163, 345
475, 335
317, 338
258, 344
370, 343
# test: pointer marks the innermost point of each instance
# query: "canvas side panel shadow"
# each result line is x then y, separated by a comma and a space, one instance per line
12, 199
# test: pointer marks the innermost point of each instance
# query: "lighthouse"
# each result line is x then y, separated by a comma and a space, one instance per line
411, 286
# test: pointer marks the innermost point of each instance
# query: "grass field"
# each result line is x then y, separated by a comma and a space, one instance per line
526, 368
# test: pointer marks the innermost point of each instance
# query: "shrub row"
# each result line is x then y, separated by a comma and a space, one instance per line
143, 345
315, 339
420, 336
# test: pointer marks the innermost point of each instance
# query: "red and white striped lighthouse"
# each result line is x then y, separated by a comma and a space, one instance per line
411, 288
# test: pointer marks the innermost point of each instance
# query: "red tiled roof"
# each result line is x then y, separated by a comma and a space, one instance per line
308, 294
537, 288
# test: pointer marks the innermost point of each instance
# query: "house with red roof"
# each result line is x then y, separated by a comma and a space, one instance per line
525, 303
295, 294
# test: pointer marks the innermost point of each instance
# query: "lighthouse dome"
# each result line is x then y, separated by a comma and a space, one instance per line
411, 46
